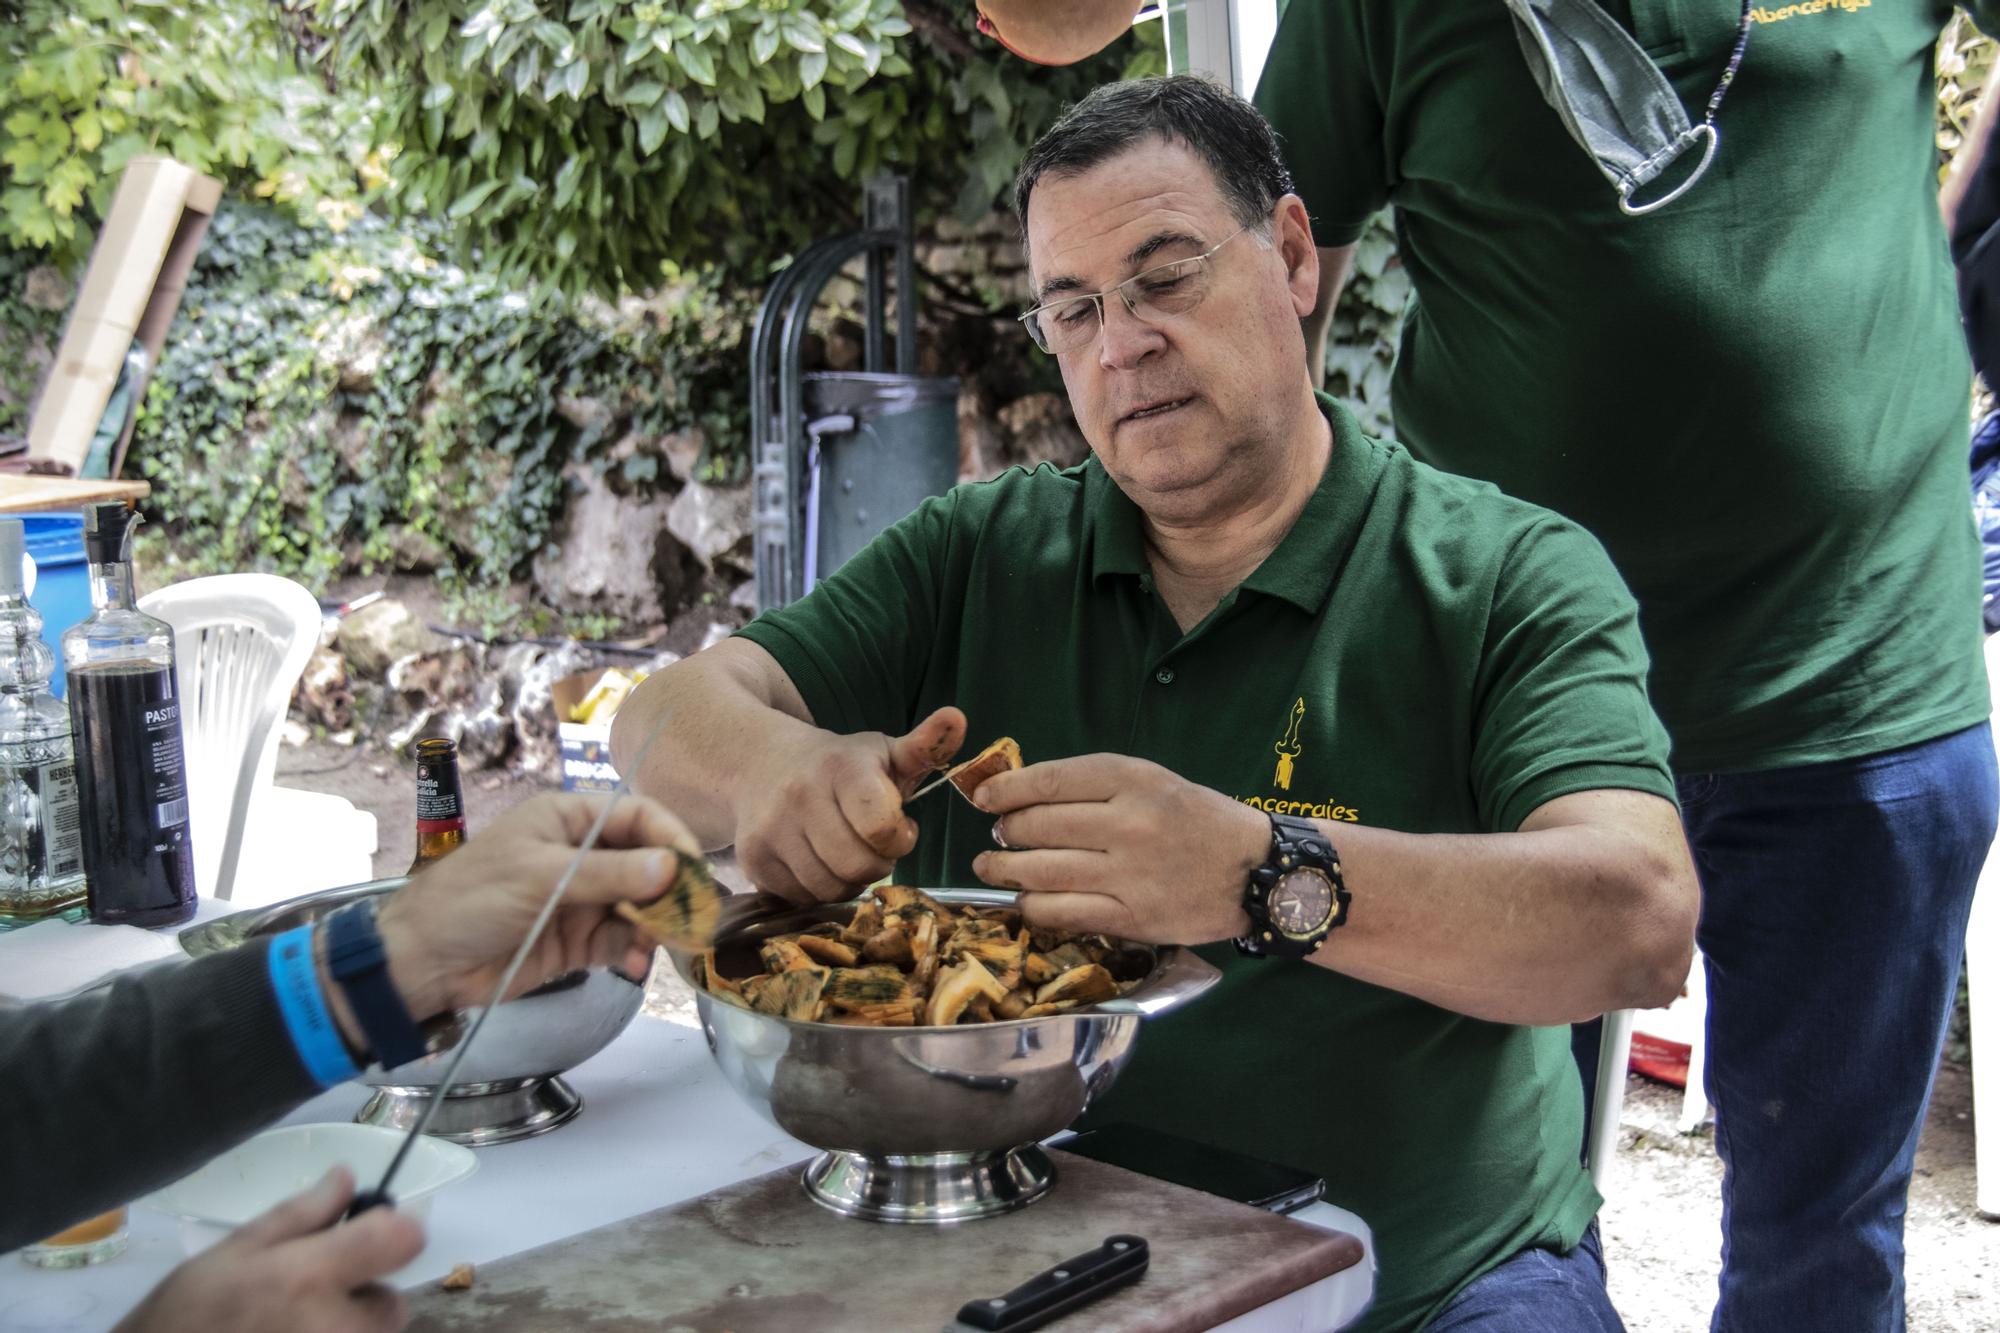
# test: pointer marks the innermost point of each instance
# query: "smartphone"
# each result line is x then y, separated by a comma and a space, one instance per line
1199, 1166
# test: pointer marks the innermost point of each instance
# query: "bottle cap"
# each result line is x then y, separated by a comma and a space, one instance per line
12, 546
107, 531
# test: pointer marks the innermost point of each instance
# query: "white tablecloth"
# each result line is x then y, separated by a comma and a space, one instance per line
658, 1125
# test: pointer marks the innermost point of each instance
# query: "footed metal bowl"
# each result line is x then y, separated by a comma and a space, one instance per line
508, 1087
926, 1124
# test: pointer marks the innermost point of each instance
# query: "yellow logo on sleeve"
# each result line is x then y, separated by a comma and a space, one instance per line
1289, 749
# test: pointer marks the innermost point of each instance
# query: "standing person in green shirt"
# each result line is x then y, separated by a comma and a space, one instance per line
1756, 397
1244, 630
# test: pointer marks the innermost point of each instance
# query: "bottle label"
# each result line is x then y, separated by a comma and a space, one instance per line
168, 763
439, 807
62, 819
44, 827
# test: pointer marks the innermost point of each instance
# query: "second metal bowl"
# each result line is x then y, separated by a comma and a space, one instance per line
508, 1087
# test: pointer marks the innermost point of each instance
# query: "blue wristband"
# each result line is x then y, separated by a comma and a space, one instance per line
303, 1004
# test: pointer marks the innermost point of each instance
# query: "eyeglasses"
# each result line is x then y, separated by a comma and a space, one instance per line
1170, 289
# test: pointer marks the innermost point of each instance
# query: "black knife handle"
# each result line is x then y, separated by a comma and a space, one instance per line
1073, 1283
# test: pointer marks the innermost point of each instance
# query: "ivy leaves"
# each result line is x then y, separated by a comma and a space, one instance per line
618, 106
1367, 324
681, 135
321, 394
85, 85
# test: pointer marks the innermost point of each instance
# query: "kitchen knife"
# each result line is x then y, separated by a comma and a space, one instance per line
1066, 1287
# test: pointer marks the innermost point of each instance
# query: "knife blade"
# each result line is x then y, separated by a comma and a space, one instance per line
379, 1196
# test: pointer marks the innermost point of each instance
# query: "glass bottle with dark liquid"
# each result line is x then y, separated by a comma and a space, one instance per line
440, 806
125, 708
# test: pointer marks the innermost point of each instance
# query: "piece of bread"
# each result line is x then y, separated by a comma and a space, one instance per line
687, 914
998, 757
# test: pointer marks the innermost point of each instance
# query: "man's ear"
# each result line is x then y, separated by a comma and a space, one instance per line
1291, 228
1056, 32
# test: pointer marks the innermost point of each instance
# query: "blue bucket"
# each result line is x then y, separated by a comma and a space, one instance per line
62, 579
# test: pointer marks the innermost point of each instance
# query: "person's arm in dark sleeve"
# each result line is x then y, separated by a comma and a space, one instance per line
125, 1089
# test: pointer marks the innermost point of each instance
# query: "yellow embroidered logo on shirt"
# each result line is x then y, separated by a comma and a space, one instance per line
1763, 15
1289, 749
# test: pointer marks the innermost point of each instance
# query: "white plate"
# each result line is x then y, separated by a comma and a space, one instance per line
253, 1176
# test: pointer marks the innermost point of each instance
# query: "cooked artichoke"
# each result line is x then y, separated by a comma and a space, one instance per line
687, 914
1083, 985
856, 987
784, 954
832, 953
792, 994
955, 989
904, 958
890, 945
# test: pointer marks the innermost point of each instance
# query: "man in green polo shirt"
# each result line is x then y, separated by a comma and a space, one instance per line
1244, 630
1756, 397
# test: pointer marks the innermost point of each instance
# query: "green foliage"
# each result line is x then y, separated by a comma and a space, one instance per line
323, 394
22, 328
592, 145
87, 84
1361, 348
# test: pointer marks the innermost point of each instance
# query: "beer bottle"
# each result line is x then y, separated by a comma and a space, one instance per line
440, 809
125, 710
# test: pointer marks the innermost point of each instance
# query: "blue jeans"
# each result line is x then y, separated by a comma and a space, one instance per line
1537, 1291
1834, 903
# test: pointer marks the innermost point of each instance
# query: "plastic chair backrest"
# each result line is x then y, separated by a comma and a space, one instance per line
1614, 1056
241, 643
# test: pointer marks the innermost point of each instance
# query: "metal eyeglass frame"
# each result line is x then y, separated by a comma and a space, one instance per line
1126, 291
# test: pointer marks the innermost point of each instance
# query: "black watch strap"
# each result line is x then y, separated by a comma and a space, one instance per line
355, 957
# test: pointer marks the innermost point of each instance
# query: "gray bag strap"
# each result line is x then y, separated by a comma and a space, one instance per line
1613, 99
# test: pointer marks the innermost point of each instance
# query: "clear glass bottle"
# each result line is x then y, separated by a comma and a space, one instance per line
41, 830
440, 805
125, 709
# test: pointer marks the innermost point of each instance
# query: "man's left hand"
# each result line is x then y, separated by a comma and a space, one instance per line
1109, 843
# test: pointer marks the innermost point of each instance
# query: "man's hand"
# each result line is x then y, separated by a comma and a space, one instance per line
825, 819
1119, 845
450, 932
297, 1268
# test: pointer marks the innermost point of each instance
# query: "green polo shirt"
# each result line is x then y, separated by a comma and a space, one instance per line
1756, 397
1420, 653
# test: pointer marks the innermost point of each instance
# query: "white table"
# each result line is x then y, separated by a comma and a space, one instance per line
659, 1125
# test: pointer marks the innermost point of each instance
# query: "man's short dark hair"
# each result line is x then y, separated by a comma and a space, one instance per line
1219, 127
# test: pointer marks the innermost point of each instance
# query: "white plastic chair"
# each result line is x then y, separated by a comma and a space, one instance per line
1614, 1054
241, 643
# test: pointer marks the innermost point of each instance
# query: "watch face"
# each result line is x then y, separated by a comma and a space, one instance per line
1301, 903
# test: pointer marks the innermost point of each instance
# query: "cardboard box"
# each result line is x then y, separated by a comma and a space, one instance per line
131, 290
584, 750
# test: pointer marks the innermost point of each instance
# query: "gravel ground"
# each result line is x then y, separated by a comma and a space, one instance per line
1663, 1218
1661, 1224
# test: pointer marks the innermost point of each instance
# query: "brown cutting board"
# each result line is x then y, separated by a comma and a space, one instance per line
759, 1257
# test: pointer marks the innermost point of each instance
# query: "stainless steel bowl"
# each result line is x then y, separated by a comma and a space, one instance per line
508, 1087
926, 1124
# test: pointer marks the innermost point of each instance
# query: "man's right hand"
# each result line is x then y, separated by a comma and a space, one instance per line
298, 1268
824, 818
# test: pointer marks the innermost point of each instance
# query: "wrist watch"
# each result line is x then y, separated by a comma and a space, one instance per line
357, 961
1297, 897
